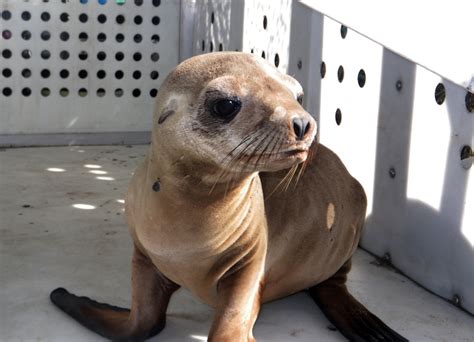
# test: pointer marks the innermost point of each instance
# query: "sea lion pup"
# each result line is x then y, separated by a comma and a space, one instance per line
228, 132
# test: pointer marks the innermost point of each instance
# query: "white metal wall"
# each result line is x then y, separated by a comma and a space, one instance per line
83, 66
379, 112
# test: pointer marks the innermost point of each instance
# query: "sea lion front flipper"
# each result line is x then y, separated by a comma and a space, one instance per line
151, 292
349, 316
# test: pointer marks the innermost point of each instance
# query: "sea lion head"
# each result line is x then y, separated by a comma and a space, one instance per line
234, 113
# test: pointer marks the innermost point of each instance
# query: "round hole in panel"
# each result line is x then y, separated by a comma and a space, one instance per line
251, 50
82, 73
203, 45
120, 19
155, 38
64, 17
263, 54
221, 48
119, 37
119, 74
211, 47
83, 55
343, 31
137, 74
83, 18
82, 92
101, 37
84, 1
6, 15
265, 22
136, 92
153, 92
45, 35
155, 20
138, 2
361, 78
101, 55
63, 92
7, 91
26, 35
45, 92
156, 3
6, 34
119, 56
64, 55
137, 38
101, 92
212, 18
26, 54
322, 69
138, 19
83, 36
118, 92
102, 18
338, 116
6, 72
45, 73
7, 53
154, 75
64, 36
155, 56
469, 101
137, 56
340, 74
277, 60
26, 92
440, 93
26, 73
25, 15
101, 74
45, 16
64, 73
102, 2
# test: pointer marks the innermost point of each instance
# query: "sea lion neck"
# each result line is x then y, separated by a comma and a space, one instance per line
177, 175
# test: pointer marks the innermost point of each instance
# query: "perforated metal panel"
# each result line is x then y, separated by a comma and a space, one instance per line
398, 127
84, 66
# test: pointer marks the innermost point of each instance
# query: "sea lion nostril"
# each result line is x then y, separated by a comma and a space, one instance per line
301, 126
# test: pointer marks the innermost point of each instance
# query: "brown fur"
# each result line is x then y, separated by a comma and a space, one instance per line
228, 223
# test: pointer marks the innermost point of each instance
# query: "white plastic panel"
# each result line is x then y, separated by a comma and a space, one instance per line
63, 93
404, 26
405, 148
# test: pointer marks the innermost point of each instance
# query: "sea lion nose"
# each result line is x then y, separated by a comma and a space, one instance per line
301, 126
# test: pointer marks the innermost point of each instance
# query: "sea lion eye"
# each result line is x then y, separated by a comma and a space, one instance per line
226, 109
299, 98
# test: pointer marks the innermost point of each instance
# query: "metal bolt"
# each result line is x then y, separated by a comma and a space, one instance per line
399, 85
392, 172
456, 300
466, 156
300, 64
469, 102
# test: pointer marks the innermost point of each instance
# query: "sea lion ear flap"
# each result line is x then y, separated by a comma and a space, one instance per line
168, 110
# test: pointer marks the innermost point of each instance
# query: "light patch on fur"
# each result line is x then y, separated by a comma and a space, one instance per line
330, 216
285, 80
279, 113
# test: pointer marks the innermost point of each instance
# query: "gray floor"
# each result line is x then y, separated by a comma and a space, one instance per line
49, 239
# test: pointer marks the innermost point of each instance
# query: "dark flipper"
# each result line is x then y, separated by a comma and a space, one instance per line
151, 292
349, 316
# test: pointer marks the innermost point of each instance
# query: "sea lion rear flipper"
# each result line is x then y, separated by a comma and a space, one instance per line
349, 316
151, 292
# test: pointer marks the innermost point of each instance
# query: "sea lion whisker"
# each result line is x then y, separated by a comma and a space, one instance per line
292, 172
265, 149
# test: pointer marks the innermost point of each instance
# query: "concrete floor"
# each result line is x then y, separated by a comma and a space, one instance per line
62, 224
